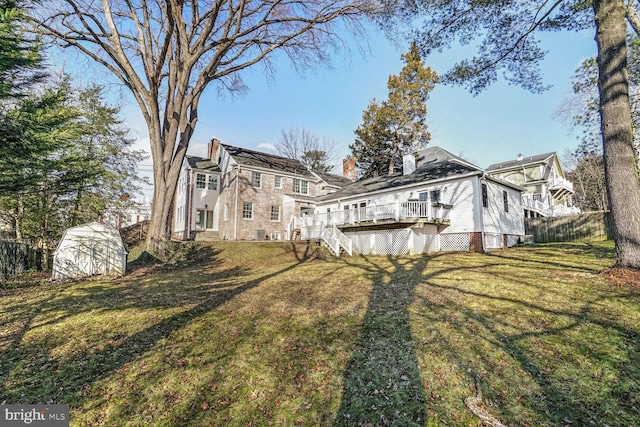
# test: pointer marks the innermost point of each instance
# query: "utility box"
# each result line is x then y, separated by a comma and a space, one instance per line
260, 234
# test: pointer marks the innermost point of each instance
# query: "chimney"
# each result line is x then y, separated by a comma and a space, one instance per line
519, 157
349, 168
408, 164
213, 149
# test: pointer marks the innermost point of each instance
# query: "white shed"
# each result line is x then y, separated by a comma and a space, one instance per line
87, 250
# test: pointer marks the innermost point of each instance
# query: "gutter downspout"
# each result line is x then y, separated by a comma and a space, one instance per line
235, 217
188, 213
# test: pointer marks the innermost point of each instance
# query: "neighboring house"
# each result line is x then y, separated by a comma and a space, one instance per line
439, 202
241, 194
548, 193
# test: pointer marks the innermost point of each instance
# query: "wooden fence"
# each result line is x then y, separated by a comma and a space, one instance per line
14, 258
589, 226
18, 257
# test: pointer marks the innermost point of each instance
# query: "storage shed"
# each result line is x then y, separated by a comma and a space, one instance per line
88, 250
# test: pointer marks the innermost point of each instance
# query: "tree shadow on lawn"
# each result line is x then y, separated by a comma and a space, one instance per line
382, 382
32, 373
540, 363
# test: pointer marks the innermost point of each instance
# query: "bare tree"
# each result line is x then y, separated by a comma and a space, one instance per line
312, 150
167, 52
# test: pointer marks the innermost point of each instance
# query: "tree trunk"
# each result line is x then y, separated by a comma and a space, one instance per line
623, 187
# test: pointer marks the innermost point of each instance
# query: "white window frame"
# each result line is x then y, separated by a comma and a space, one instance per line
256, 179
277, 182
247, 210
275, 215
201, 183
212, 183
299, 184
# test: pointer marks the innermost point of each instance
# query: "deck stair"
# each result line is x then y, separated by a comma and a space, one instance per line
337, 241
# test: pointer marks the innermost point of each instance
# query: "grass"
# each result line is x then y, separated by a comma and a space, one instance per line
270, 334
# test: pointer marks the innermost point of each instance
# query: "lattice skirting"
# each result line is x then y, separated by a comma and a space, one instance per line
455, 242
395, 242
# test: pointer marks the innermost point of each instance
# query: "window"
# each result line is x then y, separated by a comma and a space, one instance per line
247, 210
227, 179
505, 199
300, 186
485, 197
256, 179
213, 183
435, 196
278, 183
275, 235
200, 180
225, 212
275, 213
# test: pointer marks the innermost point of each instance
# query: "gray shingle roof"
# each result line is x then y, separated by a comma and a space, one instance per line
445, 166
200, 163
333, 180
259, 159
525, 161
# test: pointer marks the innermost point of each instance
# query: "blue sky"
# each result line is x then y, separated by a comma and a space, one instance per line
495, 126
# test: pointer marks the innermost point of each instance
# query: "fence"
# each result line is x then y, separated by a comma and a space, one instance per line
14, 258
590, 226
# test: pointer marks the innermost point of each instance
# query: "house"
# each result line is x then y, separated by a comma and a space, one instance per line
196, 199
241, 194
439, 202
548, 192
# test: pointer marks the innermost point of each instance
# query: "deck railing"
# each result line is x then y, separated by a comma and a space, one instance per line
373, 214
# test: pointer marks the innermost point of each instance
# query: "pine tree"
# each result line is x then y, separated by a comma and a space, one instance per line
397, 125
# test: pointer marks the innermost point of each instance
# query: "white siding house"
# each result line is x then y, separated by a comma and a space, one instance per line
443, 203
196, 202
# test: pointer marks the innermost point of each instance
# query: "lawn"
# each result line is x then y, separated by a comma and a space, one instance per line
271, 334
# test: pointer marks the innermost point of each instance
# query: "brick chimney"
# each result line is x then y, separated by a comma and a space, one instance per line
213, 149
349, 168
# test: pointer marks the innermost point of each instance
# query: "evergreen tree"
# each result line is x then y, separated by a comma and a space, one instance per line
397, 125
81, 178
20, 59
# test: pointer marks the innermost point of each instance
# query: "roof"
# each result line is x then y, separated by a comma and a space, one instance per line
259, 159
436, 153
332, 179
201, 163
540, 158
443, 165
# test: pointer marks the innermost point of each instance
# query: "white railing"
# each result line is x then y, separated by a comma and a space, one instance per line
546, 210
345, 242
334, 238
374, 213
331, 240
527, 202
559, 183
